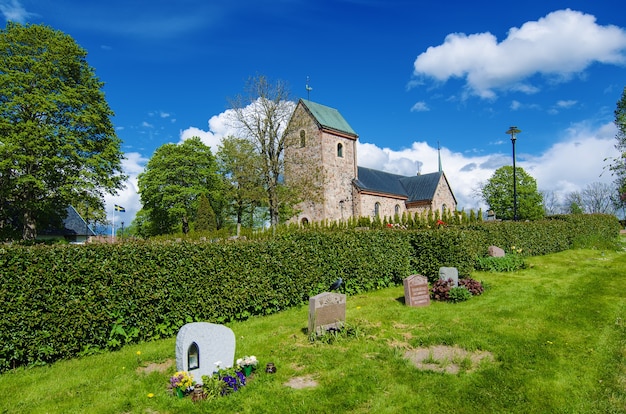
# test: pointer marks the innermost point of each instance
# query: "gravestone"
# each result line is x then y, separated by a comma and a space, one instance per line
416, 291
495, 251
199, 345
446, 273
326, 311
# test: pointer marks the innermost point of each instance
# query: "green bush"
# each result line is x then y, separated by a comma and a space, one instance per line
61, 301
459, 294
507, 263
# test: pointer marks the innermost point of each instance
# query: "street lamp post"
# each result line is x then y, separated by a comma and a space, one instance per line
512, 132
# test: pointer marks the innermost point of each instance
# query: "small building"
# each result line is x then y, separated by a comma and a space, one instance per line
73, 229
322, 148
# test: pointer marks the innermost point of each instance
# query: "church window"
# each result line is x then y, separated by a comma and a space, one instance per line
340, 150
302, 138
397, 209
304, 221
377, 210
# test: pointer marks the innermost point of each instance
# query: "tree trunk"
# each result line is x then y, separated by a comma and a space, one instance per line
30, 227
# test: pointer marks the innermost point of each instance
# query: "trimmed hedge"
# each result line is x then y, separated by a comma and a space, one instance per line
62, 301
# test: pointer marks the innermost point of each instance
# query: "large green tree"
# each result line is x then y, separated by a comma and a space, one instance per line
172, 183
498, 194
618, 165
57, 142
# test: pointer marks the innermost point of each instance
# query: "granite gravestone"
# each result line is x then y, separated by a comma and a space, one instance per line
446, 273
416, 291
326, 311
202, 346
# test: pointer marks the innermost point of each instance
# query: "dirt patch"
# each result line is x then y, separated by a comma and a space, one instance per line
154, 367
299, 383
448, 359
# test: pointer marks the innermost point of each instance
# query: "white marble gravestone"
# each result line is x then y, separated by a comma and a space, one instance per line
199, 345
446, 273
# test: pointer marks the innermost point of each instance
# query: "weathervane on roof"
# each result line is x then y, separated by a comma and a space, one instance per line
308, 89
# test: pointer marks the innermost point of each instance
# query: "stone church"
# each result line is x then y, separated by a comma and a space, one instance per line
321, 147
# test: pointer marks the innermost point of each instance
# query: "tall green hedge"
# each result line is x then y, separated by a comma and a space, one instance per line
63, 301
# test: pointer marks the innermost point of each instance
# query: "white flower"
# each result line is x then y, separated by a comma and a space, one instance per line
218, 363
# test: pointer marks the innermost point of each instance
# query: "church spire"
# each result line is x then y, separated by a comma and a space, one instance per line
439, 155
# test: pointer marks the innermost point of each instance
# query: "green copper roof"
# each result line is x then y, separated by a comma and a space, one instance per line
328, 117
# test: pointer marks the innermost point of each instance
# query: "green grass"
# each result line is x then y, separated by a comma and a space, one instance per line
556, 330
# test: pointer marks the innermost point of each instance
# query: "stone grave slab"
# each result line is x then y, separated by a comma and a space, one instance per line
446, 273
495, 251
326, 311
199, 345
416, 291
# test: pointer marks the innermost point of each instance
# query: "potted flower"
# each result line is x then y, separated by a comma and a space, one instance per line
247, 364
182, 383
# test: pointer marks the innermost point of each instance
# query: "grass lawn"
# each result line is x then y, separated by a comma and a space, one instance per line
555, 336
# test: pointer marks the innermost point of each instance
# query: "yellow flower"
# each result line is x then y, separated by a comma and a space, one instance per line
138, 353
150, 395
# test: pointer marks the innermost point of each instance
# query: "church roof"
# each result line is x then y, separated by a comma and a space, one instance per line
414, 188
328, 117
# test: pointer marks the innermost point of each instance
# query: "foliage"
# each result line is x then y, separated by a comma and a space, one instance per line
459, 294
241, 166
65, 300
498, 194
205, 217
172, 183
508, 263
473, 286
440, 289
58, 144
618, 164
263, 118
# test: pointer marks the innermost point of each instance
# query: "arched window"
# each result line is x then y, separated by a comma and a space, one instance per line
304, 221
397, 209
443, 209
193, 357
302, 138
340, 150
377, 210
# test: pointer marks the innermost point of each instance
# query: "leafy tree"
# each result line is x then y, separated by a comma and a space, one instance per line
172, 182
241, 166
205, 217
263, 118
574, 203
498, 194
57, 143
618, 165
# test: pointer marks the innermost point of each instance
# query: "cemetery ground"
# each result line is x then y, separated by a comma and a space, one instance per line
549, 338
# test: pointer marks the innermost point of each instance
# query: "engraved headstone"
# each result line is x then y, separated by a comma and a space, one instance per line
326, 311
200, 345
446, 273
495, 251
416, 291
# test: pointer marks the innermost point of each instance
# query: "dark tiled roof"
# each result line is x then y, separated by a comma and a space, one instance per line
73, 225
415, 188
328, 117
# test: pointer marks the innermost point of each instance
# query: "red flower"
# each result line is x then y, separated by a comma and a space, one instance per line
441, 223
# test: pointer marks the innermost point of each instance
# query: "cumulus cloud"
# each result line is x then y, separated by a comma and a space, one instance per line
563, 43
554, 169
128, 197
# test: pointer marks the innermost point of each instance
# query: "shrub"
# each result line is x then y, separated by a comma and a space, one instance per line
473, 286
508, 263
459, 294
441, 289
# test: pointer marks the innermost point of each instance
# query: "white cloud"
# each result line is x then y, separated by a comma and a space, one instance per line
563, 43
566, 104
128, 197
12, 10
569, 165
420, 107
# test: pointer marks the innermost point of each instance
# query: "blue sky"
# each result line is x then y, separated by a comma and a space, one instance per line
406, 75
